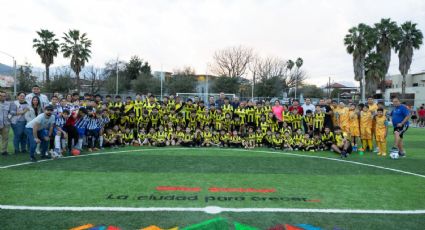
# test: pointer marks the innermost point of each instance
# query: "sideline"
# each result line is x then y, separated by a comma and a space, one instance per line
211, 210
238, 150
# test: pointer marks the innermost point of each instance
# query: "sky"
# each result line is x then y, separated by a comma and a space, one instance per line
173, 34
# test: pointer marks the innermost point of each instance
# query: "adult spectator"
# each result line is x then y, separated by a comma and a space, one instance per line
18, 124
277, 110
308, 106
328, 113
421, 115
34, 109
39, 130
235, 102
296, 106
44, 101
211, 101
400, 118
220, 101
7, 110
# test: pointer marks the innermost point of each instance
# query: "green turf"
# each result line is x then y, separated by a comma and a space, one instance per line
97, 180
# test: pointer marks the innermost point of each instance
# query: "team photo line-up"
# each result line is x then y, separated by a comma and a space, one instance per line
70, 124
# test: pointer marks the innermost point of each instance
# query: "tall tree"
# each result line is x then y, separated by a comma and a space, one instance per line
47, 48
76, 47
359, 41
388, 34
374, 72
410, 38
183, 80
25, 78
232, 62
133, 68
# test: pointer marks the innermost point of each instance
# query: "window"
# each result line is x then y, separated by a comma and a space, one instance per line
415, 84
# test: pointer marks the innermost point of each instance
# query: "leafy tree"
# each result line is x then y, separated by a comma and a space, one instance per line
25, 79
226, 84
146, 83
47, 48
374, 71
77, 48
183, 80
359, 41
268, 87
410, 38
61, 81
133, 68
311, 91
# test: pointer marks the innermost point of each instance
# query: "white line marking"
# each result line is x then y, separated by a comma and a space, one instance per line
210, 209
239, 150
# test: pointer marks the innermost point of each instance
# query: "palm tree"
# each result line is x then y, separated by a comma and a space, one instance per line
359, 41
47, 47
374, 72
78, 49
388, 35
410, 37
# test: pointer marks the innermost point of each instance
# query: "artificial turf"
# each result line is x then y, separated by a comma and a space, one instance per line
133, 173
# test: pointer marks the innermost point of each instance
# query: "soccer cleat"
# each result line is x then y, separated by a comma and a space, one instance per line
33, 159
4, 154
402, 154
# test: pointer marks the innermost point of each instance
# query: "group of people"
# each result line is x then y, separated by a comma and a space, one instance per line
54, 127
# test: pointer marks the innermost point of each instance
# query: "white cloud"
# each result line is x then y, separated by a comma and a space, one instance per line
173, 34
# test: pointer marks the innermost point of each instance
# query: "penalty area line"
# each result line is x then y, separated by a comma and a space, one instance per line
210, 209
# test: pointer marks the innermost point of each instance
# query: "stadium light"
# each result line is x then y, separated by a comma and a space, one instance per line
14, 71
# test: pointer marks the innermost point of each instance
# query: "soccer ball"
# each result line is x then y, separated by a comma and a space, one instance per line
75, 152
394, 154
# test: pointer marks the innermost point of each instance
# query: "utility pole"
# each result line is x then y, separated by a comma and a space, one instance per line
116, 89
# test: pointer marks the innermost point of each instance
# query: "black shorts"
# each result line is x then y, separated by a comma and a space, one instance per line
401, 130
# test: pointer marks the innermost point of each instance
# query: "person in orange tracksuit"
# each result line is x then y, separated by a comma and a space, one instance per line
381, 132
354, 124
366, 121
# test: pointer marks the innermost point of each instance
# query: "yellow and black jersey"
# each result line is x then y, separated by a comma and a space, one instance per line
257, 114
284, 130
110, 105
119, 106
287, 117
298, 139
319, 120
108, 137
224, 137
151, 136
188, 110
309, 142
267, 109
143, 120
160, 136
138, 108
264, 126
259, 137
277, 140
216, 138
200, 110
128, 137
339, 140
288, 141
188, 137
170, 132
309, 120
241, 112
213, 114
251, 137
149, 106
154, 118
192, 122
269, 139
296, 121
141, 136
180, 135
328, 137
250, 114
207, 136
235, 139
128, 107
227, 109
273, 125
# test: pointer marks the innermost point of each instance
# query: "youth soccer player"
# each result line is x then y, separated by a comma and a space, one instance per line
381, 132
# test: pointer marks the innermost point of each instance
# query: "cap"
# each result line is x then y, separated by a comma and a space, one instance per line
49, 107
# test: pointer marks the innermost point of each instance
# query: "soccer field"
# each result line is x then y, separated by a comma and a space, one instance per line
136, 187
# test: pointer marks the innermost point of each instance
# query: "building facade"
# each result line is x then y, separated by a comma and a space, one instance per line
415, 87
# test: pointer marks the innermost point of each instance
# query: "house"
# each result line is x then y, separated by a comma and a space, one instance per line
344, 91
415, 87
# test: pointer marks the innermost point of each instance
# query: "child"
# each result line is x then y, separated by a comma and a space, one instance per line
160, 137
308, 122
268, 139
93, 130
319, 120
151, 137
381, 132
308, 143
224, 138
341, 144
109, 139
259, 136
128, 137
197, 137
216, 138
366, 121
277, 141
298, 140
61, 136
327, 138
207, 137
179, 135
188, 138
235, 140
250, 139
142, 137
354, 125
287, 141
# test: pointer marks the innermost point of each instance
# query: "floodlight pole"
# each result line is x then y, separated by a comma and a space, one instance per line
14, 71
